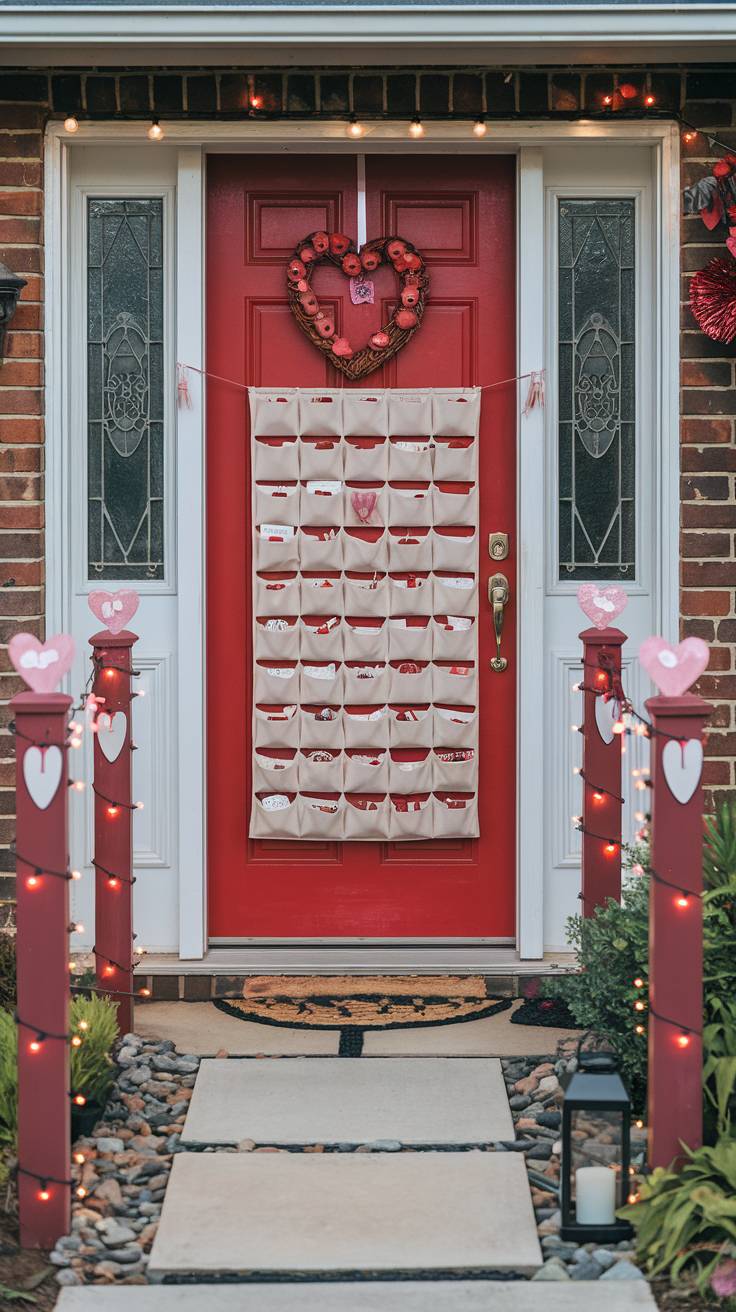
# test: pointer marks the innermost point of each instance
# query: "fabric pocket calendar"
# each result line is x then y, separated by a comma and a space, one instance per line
321, 592
368, 683
277, 595
365, 726
365, 639
320, 770
320, 458
273, 773
455, 817
455, 684
410, 594
409, 637
274, 413
320, 817
455, 458
410, 504
365, 594
321, 638
409, 772
410, 459
453, 549
410, 726
455, 594
410, 817
409, 414
276, 682
411, 682
274, 821
366, 458
365, 549
455, 413
366, 504
455, 726
365, 771
365, 413
322, 501
320, 548
277, 503
276, 638
409, 548
276, 548
453, 637
366, 817
454, 503
275, 459
320, 413
455, 768
320, 726
276, 725
322, 682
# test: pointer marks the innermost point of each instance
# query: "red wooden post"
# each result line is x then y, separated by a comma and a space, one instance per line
42, 892
601, 772
675, 1084
113, 856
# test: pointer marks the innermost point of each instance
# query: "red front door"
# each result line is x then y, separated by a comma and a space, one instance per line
459, 212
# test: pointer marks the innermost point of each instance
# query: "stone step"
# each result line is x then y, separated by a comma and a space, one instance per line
309, 1100
381, 1296
236, 1213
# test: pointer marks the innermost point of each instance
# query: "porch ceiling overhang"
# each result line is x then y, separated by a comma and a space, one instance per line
229, 32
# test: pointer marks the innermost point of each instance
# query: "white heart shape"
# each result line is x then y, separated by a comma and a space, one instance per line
668, 659
683, 766
42, 768
29, 660
606, 712
111, 731
604, 604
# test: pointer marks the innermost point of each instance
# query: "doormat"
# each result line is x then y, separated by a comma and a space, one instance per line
553, 1012
353, 1004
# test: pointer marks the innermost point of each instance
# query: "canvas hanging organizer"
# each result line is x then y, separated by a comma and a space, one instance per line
365, 614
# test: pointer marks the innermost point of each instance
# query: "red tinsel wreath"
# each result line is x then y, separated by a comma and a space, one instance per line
713, 299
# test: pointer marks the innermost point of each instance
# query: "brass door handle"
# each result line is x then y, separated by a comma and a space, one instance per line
498, 595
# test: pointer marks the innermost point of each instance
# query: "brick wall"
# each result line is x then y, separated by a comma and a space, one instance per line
27, 99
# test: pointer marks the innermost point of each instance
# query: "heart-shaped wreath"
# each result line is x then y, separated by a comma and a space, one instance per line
319, 326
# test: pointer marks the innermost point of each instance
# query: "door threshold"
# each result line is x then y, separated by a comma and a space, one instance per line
353, 959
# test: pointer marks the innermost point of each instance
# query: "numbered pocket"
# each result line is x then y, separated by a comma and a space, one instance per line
320, 413
365, 771
454, 549
410, 459
411, 682
274, 815
320, 458
365, 640
365, 594
366, 505
321, 726
455, 817
275, 772
320, 817
366, 457
409, 549
409, 638
408, 771
276, 725
455, 503
455, 413
365, 549
410, 594
365, 413
409, 817
366, 683
365, 726
455, 726
410, 504
321, 638
453, 638
409, 414
277, 595
274, 414
276, 638
366, 818
322, 502
322, 593
321, 682
455, 769
275, 459
455, 594
320, 770
276, 683
410, 726
320, 549
276, 503
455, 459
276, 548
455, 684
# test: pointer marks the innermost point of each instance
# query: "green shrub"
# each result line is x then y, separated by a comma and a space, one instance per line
92, 1068
7, 970
8, 1079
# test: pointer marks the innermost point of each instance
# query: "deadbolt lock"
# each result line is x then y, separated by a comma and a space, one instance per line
498, 546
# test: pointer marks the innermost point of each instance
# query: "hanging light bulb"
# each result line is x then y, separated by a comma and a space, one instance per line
155, 132
480, 127
354, 128
416, 127
71, 123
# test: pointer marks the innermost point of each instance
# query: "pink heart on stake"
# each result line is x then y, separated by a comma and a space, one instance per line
364, 503
601, 605
42, 664
674, 669
114, 609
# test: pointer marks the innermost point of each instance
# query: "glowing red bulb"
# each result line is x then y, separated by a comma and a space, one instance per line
682, 902
649, 100
43, 1195
113, 883
639, 1029
112, 811
597, 797
638, 982
610, 849
110, 674
601, 677
145, 993
108, 971
639, 1006
256, 102
683, 1040
32, 881
35, 1045
79, 1099
608, 100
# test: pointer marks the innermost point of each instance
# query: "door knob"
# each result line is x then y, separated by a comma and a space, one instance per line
498, 595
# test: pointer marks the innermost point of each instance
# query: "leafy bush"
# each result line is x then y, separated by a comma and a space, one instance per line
7, 970
8, 1079
92, 1067
685, 1220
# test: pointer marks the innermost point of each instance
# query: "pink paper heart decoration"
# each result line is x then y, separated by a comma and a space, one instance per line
674, 669
114, 609
601, 605
42, 664
364, 503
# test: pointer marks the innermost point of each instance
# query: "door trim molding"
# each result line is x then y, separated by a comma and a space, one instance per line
194, 139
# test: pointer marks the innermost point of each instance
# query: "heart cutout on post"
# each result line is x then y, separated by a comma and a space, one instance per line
601, 605
114, 609
111, 731
320, 327
42, 665
42, 767
682, 764
606, 714
674, 669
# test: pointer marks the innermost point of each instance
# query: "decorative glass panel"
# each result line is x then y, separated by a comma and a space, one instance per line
597, 378
125, 389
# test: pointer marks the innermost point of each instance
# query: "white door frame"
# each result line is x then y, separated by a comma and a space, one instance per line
194, 141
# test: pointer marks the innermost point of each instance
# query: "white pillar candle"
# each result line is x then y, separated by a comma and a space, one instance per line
595, 1195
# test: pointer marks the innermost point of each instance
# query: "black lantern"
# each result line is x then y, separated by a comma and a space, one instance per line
11, 286
596, 1152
